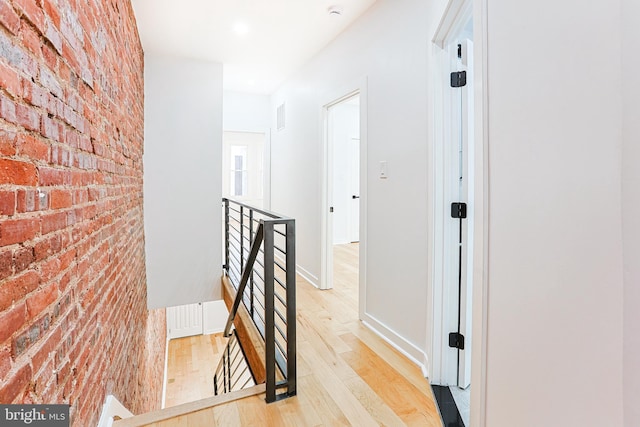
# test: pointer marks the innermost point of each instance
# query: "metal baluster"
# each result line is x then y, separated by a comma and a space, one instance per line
251, 237
291, 307
269, 308
242, 264
226, 236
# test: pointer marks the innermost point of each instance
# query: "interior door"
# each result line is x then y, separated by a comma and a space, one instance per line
354, 182
184, 321
464, 52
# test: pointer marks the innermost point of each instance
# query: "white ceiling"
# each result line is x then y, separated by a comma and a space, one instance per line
282, 34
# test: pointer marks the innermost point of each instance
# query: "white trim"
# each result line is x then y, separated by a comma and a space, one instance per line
481, 249
311, 278
111, 408
395, 340
164, 375
360, 87
452, 20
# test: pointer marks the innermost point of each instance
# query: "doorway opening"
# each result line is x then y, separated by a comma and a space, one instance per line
454, 208
243, 167
343, 138
343, 191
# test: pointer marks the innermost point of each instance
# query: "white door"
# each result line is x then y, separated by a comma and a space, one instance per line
463, 192
184, 321
354, 182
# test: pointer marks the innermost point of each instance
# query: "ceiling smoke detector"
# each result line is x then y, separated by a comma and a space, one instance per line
335, 10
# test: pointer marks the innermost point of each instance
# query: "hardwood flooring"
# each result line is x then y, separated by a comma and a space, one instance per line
347, 375
191, 364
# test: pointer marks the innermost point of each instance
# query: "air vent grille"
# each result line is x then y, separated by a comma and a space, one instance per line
280, 117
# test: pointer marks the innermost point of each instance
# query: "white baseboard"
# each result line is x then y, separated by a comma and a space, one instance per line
308, 276
409, 350
111, 408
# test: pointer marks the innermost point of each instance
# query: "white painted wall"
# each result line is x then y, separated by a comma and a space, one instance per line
631, 209
214, 316
182, 188
345, 125
389, 46
554, 262
246, 112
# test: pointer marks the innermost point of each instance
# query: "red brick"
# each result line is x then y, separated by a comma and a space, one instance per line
31, 40
16, 384
32, 147
92, 249
50, 176
53, 222
48, 347
51, 128
26, 200
47, 247
66, 259
32, 12
27, 117
16, 288
6, 264
22, 258
5, 360
34, 94
7, 142
12, 320
51, 10
9, 79
41, 299
18, 230
7, 202
59, 199
50, 269
18, 173
8, 109
9, 18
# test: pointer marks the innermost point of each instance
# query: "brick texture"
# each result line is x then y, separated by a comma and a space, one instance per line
74, 325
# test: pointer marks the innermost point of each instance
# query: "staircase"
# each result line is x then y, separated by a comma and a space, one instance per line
258, 288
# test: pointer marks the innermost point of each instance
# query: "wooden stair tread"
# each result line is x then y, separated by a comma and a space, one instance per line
188, 408
248, 335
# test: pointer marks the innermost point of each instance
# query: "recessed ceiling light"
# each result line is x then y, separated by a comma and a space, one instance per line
240, 28
335, 10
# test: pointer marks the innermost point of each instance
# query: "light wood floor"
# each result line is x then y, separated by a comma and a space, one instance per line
347, 375
191, 364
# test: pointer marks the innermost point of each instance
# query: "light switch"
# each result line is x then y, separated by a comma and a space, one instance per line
384, 170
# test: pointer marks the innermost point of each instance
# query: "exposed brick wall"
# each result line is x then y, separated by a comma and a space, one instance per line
73, 319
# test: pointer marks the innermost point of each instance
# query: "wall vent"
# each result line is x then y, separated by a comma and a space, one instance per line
280, 117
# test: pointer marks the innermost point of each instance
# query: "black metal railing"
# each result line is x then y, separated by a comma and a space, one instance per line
260, 264
233, 371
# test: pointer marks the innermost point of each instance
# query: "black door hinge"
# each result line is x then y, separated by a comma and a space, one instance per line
456, 340
458, 210
459, 51
459, 79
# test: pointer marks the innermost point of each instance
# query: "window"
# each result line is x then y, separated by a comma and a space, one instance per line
238, 178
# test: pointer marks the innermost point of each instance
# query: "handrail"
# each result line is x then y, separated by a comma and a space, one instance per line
260, 252
255, 247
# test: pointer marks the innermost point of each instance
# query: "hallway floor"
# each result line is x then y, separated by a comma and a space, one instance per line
347, 375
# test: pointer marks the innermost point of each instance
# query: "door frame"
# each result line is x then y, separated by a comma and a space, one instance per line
455, 15
333, 97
